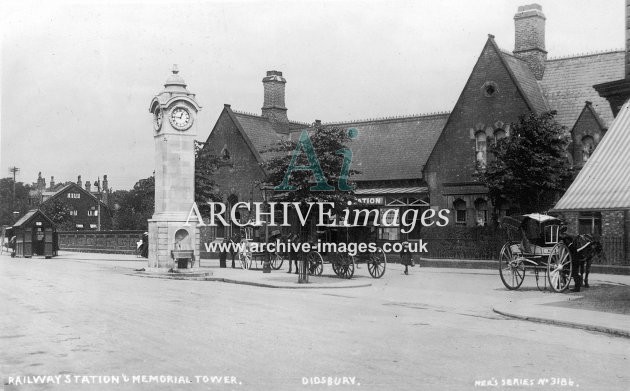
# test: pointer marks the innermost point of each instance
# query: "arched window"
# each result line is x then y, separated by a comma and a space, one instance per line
481, 148
588, 145
460, 211
225, 154
481, 212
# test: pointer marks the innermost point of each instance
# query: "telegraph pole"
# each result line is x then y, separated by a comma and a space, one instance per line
13, 170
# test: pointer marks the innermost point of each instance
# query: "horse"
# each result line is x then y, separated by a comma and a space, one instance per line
584, 248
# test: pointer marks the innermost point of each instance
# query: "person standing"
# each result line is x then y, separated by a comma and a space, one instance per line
406, 258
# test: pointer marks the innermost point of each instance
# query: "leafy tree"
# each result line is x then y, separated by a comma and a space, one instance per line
59, 212
20, 205
205, 186
328, 144
132, 208
530, 166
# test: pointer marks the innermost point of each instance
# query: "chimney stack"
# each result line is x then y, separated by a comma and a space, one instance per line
79, 183
105, 184
52, 183
529, 42
88, 187
273, 105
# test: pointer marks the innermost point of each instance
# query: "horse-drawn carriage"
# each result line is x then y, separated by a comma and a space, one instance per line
342, 262
544, 248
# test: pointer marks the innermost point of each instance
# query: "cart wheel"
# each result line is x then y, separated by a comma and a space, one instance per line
246, 260
346, 268
559, 267
377, 263
335, 267
512, 270
315, 263
276, 261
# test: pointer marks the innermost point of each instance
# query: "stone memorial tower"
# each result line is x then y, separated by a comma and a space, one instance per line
174, 112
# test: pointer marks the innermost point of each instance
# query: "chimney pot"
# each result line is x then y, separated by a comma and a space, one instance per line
529, 42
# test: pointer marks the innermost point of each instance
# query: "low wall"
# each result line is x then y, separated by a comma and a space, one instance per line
108, 242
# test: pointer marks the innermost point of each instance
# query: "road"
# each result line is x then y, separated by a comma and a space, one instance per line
431, 330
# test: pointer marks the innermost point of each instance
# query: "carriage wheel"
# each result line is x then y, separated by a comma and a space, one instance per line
246, 260
512, 270
377, 264
347, 268
559, 267
315, 263
335, 267
276, 261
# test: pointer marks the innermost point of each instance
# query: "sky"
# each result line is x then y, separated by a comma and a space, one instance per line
77, 78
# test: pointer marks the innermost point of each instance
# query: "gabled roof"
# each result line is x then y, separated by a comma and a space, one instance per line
30, 215
568, 82
525, 81
76, 187
394, 148
588, 110
603, 182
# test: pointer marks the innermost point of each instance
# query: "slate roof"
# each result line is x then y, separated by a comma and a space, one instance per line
394, 148
603, 182
30, 215
568, 82
527, 82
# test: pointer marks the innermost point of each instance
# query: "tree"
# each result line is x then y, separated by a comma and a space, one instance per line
60, 213
324, 150
205, 186
530, 166
7, 203
133, 208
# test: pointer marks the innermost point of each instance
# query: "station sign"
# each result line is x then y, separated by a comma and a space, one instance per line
372, 200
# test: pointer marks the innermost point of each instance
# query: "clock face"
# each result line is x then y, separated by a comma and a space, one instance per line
180, 118
157, 119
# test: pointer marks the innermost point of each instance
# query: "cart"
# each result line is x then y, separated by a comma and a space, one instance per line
540, 250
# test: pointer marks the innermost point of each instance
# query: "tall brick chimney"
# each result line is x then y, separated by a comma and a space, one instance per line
105, 184
52, 183
529, 42
79, 181
273, 106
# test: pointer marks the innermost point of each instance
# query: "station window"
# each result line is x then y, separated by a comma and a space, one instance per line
460, 211
590, 223
481, 148
481, 212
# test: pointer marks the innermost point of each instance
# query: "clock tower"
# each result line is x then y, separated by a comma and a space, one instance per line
174, 112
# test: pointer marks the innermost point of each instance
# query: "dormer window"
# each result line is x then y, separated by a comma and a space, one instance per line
588, 145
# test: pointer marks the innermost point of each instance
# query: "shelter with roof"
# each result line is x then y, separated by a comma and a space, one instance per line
35, 234
429, 161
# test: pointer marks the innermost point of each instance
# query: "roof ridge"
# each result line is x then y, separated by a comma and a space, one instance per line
241, 112
246, 113
405, 116
586, 54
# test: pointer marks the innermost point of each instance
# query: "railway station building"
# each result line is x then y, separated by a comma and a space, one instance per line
429, 160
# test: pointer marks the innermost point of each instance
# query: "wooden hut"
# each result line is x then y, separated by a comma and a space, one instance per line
35, 234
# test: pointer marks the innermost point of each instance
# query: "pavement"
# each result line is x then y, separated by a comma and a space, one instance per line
533, 308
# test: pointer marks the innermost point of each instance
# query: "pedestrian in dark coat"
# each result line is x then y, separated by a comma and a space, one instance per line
406, 258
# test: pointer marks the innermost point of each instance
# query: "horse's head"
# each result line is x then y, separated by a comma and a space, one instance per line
589, 248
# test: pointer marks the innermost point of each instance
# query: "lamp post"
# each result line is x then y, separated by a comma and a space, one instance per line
266, 262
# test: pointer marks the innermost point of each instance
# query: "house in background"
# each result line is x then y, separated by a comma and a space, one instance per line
87, 207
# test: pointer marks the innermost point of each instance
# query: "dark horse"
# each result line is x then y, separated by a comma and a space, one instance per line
584, 248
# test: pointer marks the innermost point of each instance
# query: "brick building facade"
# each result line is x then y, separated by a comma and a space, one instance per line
429, 161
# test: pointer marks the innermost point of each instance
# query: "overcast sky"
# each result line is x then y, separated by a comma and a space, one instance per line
77, 79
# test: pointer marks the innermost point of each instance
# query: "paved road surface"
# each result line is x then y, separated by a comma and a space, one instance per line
431, 330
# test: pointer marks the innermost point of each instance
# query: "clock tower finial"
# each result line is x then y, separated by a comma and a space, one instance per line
175, 69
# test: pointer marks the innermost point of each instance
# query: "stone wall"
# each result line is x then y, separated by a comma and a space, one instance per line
109, 242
